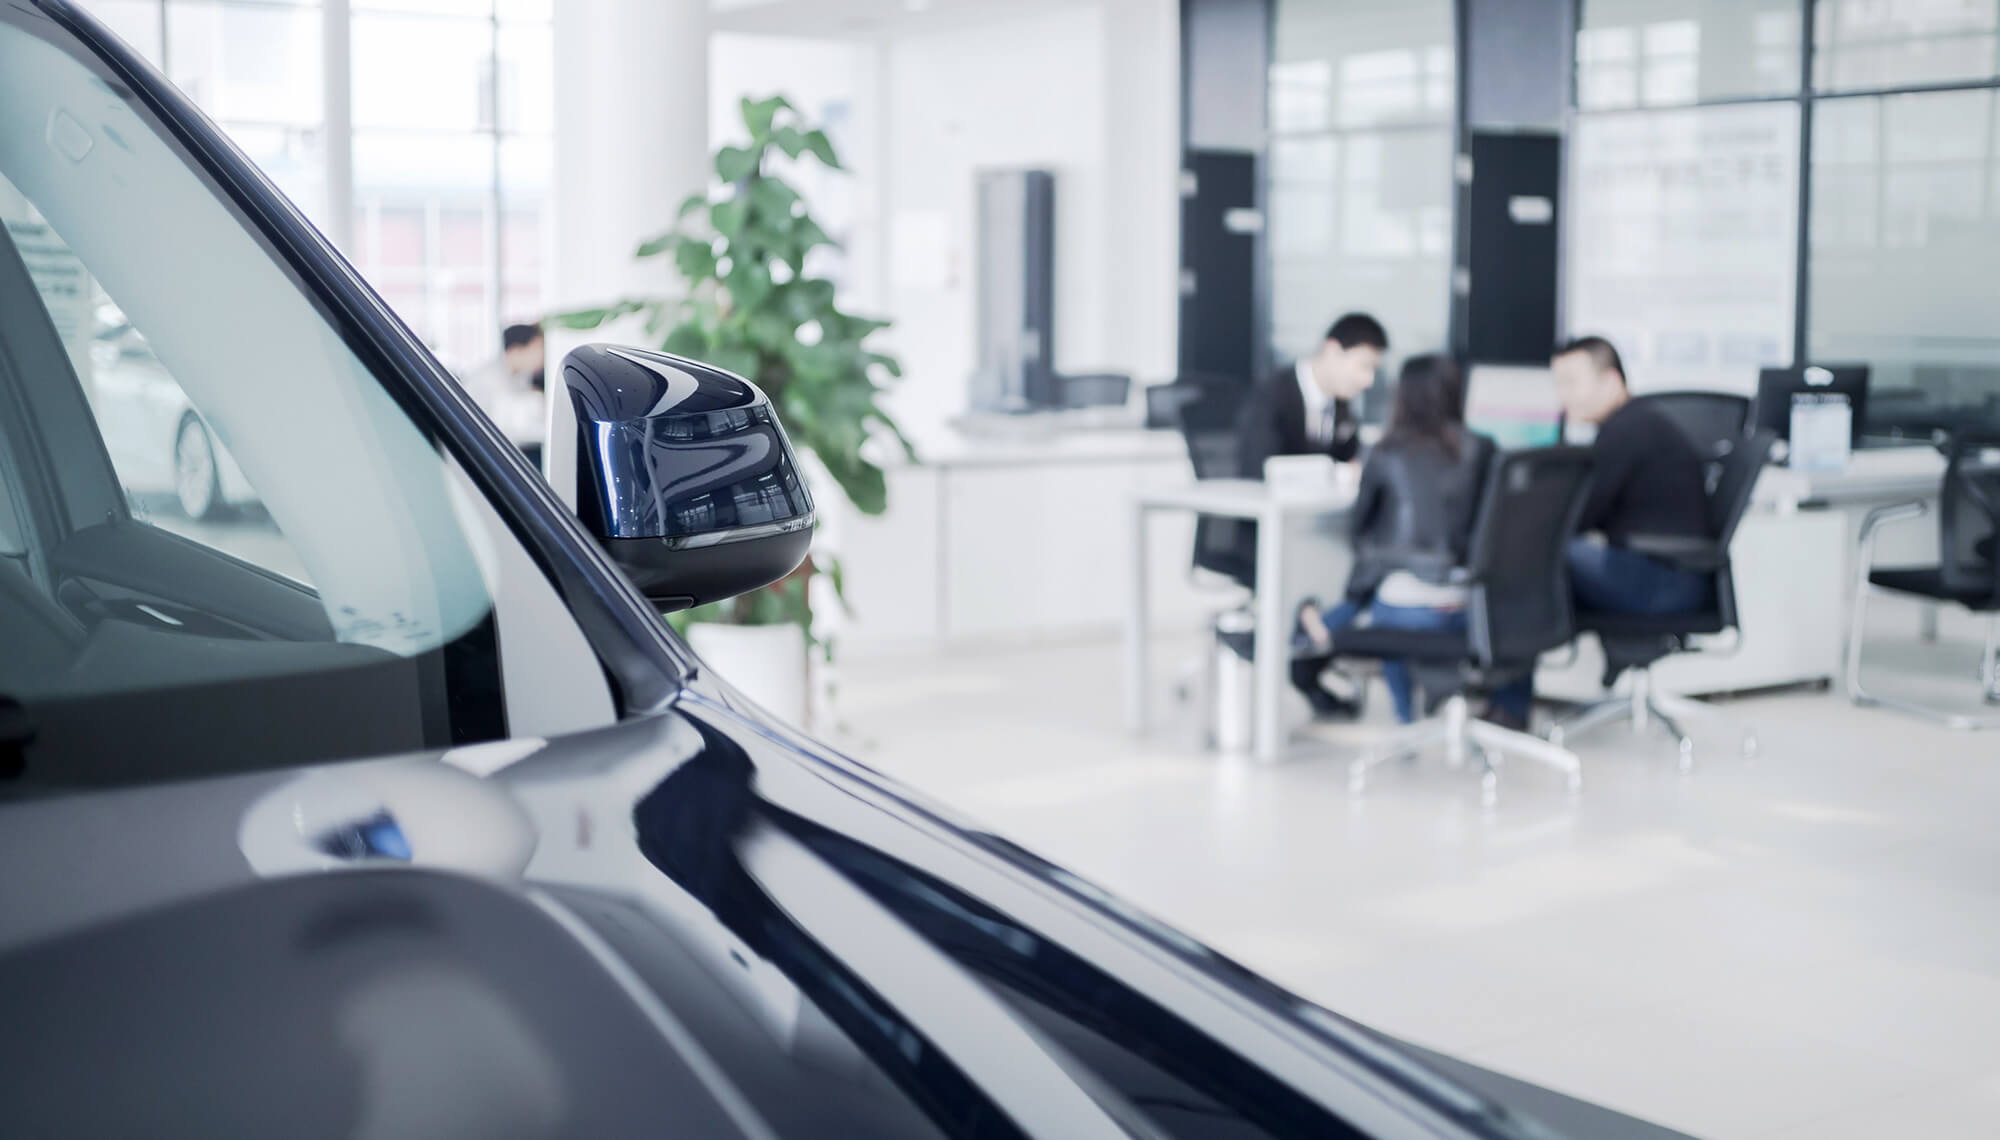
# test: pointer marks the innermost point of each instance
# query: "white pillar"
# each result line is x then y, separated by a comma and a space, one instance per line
631, 143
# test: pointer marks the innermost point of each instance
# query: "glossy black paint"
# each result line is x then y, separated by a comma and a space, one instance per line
684, 475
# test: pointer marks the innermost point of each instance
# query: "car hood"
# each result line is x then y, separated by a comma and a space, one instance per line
698, 858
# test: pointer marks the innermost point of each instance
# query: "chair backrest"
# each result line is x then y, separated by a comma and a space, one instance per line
1521, 604
1095, 390
1969, 512
1715, 422
1208, 425
1728, 501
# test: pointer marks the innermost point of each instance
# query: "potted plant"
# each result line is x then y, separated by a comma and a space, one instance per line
750, 306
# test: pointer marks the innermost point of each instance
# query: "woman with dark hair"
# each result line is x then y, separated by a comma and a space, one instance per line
1413, 518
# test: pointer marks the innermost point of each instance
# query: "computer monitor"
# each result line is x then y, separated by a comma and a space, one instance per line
1777, 388
1514, 404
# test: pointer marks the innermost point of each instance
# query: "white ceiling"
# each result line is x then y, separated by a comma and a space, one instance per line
840, 19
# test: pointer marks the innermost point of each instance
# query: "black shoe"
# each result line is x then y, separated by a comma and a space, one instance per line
1326, 706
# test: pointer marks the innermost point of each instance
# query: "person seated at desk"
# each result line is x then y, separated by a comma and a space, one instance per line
1412, 519
1307, 408
1646, 480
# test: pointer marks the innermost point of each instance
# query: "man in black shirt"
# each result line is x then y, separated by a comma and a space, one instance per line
1647, 479
1306, 408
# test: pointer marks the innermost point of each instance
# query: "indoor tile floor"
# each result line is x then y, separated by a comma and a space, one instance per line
1803, 943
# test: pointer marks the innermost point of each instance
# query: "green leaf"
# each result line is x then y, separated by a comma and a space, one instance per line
888, 363
687, 339
728, 217
757, 114
734, 164
695, 260
741, 361
659, 245
791, 140
772, 197
822, 148
691, 203
807, 233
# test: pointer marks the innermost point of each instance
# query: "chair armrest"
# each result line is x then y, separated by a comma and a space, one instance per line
1702, 555
1883, 516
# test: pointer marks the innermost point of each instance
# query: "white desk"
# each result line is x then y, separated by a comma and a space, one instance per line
1275, 516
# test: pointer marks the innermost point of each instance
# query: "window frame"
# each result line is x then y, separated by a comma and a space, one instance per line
1806, 97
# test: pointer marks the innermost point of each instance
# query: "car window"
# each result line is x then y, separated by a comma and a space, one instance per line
176, 471
239, 550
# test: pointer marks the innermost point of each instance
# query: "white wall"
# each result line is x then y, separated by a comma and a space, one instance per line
1091, 93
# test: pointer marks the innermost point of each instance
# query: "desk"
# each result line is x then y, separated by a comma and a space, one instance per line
1275, 517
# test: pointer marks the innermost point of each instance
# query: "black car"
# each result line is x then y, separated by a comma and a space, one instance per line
395, 810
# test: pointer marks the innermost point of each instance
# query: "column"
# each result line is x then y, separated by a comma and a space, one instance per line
631, 143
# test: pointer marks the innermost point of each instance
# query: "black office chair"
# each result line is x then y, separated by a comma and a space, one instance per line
1520, 608
1223, 546
1094, 390
1635, 642
1967, 573
1715, 422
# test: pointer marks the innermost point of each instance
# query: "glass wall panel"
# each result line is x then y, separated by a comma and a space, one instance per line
1904, 239
1361, 104
1872, 44
1664, 53
1681, 246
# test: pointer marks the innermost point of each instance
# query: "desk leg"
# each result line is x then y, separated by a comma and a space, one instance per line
1138, 682
1274, 641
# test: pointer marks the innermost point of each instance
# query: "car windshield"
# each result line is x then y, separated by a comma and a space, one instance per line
223, 544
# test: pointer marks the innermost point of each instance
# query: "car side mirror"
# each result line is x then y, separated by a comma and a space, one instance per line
684, 475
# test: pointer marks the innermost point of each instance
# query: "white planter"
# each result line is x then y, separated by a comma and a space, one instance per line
766, 662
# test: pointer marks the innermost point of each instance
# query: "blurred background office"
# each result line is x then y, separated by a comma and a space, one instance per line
1070, 211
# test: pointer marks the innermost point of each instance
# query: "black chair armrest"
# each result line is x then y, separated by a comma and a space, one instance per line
1702, 555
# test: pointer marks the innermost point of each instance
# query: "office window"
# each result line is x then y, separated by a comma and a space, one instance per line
1666, 53
1361, 103
1681, 245
1905, 233
452, 105
1873, 44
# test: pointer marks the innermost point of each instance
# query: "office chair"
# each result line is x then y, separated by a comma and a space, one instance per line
1094, 390
1967, 573
1226, 547
1520, 607
1715, 422
1635, 642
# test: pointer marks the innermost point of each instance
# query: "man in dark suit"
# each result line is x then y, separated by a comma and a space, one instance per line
1307, 408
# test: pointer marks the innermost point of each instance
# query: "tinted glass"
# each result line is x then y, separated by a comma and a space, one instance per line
239, 550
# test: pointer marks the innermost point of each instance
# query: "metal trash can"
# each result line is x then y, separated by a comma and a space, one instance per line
1232, 684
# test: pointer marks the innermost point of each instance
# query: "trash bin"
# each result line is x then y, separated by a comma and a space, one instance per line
1232, 691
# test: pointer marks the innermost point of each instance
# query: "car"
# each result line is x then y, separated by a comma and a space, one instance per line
158, 442
450, 835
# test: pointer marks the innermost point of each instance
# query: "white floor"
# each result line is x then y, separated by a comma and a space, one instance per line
1801, 944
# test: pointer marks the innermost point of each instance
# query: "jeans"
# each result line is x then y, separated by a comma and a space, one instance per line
1396, 673
1307, 667
1610, 579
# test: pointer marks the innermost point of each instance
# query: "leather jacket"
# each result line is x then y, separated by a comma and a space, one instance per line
1415, 510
